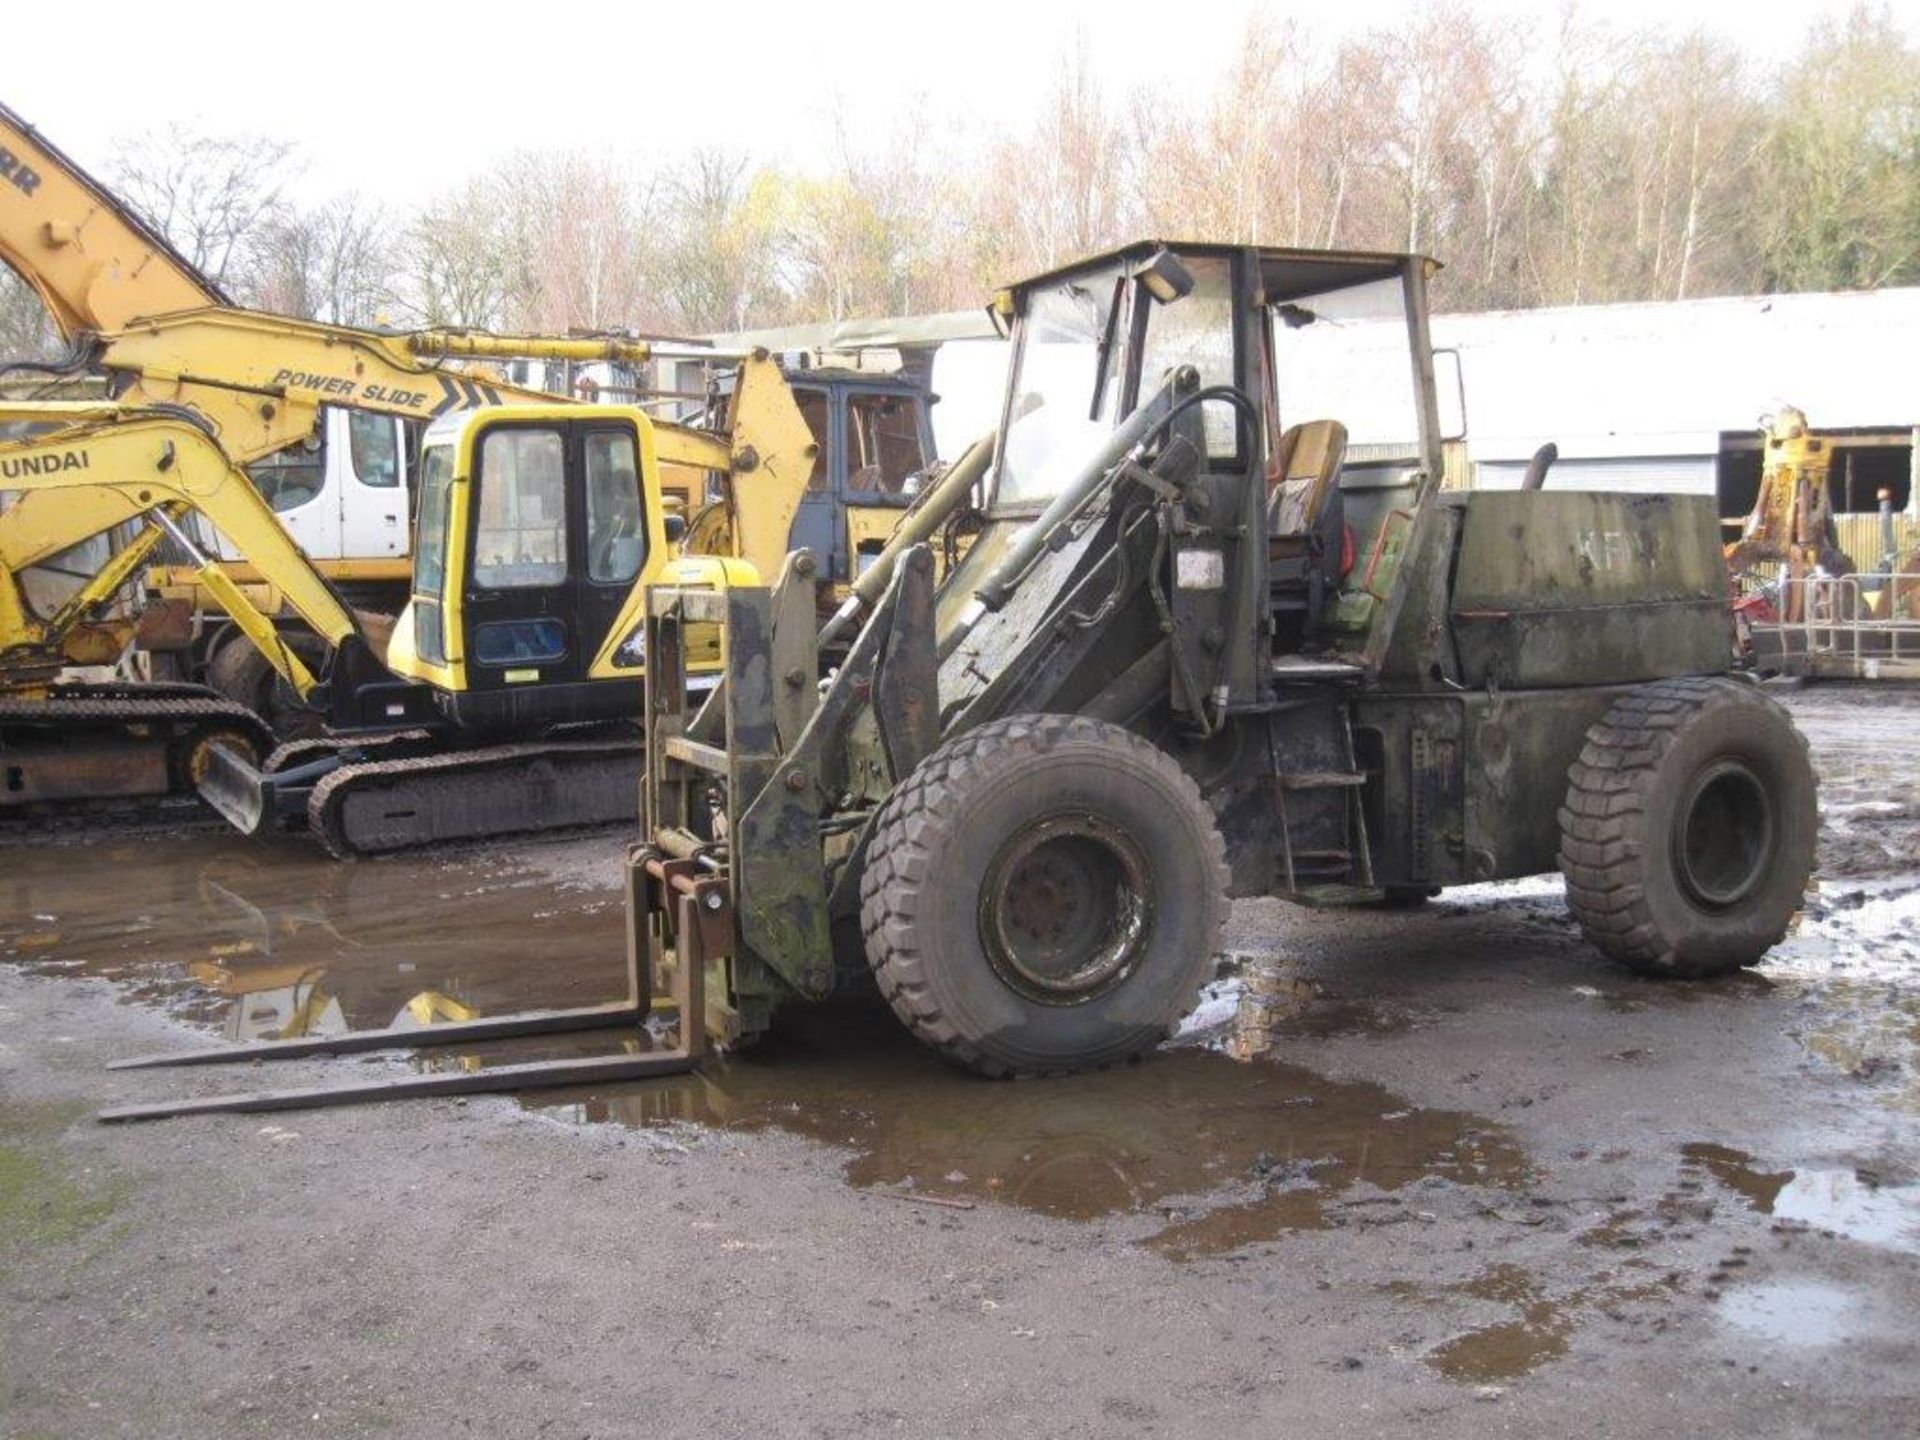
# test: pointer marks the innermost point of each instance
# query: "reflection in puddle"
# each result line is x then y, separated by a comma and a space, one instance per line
1736, 1170
275, 941
1261, 1004
1275, 1145
1789, 1312
1841, 1201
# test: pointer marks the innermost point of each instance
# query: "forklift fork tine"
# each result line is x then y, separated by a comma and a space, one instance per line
529, 1022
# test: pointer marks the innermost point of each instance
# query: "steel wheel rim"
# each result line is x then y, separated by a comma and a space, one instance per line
1723, 835
1066, 909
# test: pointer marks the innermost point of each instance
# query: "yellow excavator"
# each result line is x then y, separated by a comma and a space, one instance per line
541, 521
139, 316
503, 700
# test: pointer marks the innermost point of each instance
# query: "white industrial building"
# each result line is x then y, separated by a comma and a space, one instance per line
1669, 396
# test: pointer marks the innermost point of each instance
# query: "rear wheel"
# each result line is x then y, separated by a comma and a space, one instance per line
1689, 826
1044, 894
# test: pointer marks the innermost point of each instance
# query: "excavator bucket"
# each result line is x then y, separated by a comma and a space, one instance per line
235, 789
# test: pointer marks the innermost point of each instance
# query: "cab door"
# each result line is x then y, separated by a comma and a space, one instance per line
614, 528
886, 439
558, 535
367, 472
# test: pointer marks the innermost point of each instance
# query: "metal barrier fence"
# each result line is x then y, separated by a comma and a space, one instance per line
1864, 627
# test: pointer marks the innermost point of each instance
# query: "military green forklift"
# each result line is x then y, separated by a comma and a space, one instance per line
1221, 634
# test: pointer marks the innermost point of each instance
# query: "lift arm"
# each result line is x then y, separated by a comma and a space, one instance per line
141, 463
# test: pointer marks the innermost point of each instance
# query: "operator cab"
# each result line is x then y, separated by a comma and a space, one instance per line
1315, 374
537, 527
873, 443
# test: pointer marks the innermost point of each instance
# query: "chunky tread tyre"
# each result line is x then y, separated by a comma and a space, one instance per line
958, 807
1618, 850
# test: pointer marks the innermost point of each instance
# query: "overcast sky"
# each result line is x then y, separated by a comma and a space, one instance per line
401, 101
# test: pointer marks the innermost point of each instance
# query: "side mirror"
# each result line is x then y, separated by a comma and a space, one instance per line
1000, 313
676, 524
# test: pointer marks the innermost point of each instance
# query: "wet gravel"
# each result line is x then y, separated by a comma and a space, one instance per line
1444, 1170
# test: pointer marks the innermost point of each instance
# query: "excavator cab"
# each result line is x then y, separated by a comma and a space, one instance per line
504, 694
537, 527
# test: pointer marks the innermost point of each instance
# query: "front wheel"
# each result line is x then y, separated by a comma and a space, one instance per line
1044, 894
1688, 830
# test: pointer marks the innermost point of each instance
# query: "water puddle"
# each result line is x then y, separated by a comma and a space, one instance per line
1536, 1327
266, 942
1790, 1312
1222, 1153
1260, 1004
1507, 1349
1853, 1203
275, 941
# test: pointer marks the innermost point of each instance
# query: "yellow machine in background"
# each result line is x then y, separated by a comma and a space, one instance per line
1791, 523
506, 697
141, 318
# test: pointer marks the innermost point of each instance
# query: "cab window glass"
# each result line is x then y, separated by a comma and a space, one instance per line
1196, 330
429, 564
616, 534
375, 443
884, 433
520, 536
813, 406
1344, 355
290, 478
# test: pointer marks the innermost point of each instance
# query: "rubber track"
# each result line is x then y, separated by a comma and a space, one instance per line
1606, 796
478, 768
111, 707
292, 753
896, 864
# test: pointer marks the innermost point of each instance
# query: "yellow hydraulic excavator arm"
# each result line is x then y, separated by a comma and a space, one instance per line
95, 264
129, 464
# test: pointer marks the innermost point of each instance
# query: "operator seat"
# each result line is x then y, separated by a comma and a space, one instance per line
1306, 524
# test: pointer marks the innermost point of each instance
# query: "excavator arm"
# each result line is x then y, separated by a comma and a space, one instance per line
139, 463
94, 263
258, 382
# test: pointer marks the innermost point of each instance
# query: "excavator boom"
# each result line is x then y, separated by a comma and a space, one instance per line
94, 262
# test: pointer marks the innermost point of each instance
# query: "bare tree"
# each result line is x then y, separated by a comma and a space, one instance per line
212, 195
718, 239
338, 262
27, 331
466, 262
1843, 157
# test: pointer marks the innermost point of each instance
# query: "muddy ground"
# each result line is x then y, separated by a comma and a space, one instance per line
1443, 1171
